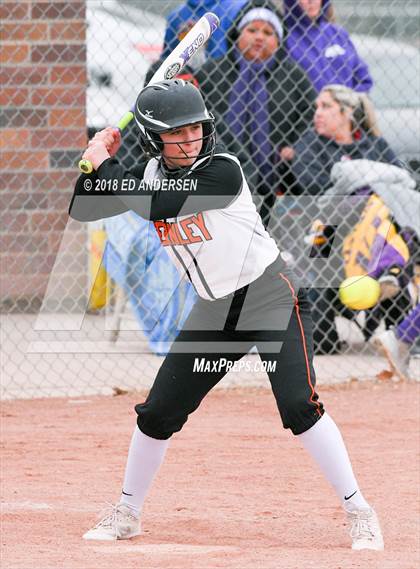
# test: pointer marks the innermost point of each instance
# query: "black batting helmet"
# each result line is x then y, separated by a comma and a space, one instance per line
169, 104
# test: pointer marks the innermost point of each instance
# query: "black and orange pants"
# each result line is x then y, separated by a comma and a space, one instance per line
272, 314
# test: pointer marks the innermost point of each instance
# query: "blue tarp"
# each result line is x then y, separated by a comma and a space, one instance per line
160, 299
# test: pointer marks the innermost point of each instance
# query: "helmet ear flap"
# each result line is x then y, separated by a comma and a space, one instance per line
209, 136
150, 142
155, 141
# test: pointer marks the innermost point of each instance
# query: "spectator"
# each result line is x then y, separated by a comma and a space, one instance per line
323, 49
261, 98
344, 129
182, 19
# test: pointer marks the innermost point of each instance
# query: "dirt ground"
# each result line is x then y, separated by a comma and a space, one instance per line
236, 491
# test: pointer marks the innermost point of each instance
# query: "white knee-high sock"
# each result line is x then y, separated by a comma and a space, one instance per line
144, 459
325, 443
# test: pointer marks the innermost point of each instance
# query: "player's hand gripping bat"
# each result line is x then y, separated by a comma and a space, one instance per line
192, 42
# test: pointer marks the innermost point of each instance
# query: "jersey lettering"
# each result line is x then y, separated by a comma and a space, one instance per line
190, 230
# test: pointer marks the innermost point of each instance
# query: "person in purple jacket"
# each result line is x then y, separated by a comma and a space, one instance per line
323, 49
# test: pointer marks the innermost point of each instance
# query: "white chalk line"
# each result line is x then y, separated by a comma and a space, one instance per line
162, 548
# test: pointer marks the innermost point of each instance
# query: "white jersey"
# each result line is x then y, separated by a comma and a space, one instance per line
220, 250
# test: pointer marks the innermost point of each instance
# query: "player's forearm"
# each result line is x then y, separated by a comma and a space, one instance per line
112, 190
98, 195
89, 205
109, 191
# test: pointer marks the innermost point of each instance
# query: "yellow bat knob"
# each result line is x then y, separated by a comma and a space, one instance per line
85, 166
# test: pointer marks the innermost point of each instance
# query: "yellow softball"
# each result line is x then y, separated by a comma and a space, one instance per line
359, 293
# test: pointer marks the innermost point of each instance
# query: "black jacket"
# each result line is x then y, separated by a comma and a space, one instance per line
291, 104
316, 155
291, 95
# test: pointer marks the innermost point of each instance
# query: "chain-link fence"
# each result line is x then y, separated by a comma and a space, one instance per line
334, 172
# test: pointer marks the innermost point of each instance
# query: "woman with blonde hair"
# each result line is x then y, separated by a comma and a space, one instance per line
344, 128
363, 112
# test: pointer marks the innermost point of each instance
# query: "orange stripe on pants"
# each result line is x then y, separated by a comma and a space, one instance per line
302, 332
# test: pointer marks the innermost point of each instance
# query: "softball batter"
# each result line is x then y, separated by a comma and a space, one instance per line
247, 296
